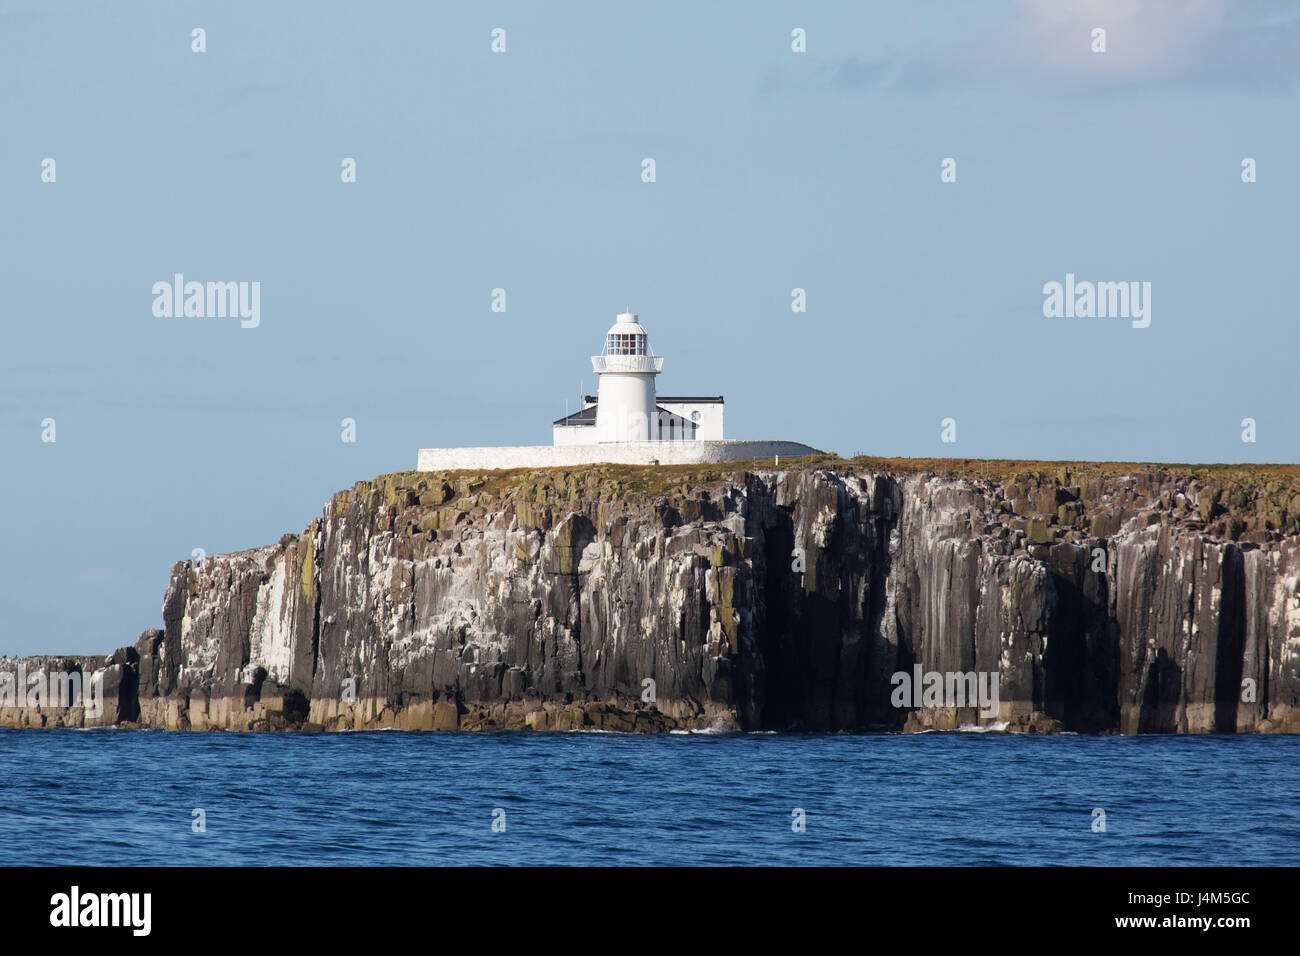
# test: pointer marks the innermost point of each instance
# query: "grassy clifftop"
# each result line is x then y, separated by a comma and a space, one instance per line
1257, 502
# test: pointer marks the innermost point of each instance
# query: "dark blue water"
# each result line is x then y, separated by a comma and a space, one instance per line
127, 797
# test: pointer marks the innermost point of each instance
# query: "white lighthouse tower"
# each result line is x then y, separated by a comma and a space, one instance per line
625, 403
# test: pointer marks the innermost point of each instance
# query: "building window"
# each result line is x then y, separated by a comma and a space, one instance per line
618, 343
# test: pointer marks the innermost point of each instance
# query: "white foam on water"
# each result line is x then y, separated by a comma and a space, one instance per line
593, 730
706, 731
975, 729
364, 730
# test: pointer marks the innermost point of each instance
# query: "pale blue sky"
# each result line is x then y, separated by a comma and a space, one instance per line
522, 170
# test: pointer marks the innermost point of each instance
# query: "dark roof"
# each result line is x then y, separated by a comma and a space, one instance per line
695, 399
588, 415
585, 417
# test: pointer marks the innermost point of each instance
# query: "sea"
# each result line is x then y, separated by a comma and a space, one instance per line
126, 797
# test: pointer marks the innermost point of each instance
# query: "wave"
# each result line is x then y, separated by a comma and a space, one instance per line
976, 729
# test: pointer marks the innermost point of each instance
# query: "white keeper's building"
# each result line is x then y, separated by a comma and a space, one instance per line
625, 422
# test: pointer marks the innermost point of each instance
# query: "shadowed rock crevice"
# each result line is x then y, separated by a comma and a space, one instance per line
1229, 652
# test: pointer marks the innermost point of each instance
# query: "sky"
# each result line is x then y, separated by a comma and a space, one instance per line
522, 170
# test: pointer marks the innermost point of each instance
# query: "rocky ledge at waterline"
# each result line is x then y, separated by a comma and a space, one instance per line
1105, 598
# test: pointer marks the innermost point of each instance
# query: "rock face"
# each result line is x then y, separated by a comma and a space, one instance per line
622, 598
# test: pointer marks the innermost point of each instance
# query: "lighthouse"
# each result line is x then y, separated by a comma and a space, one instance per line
627, 422
625, 399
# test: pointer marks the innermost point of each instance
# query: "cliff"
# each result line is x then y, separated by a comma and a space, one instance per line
1106, 598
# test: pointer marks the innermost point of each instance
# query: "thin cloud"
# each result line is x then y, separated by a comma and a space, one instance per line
1049, 46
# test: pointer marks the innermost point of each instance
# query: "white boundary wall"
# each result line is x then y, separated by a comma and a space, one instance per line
573, 434
621, 453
